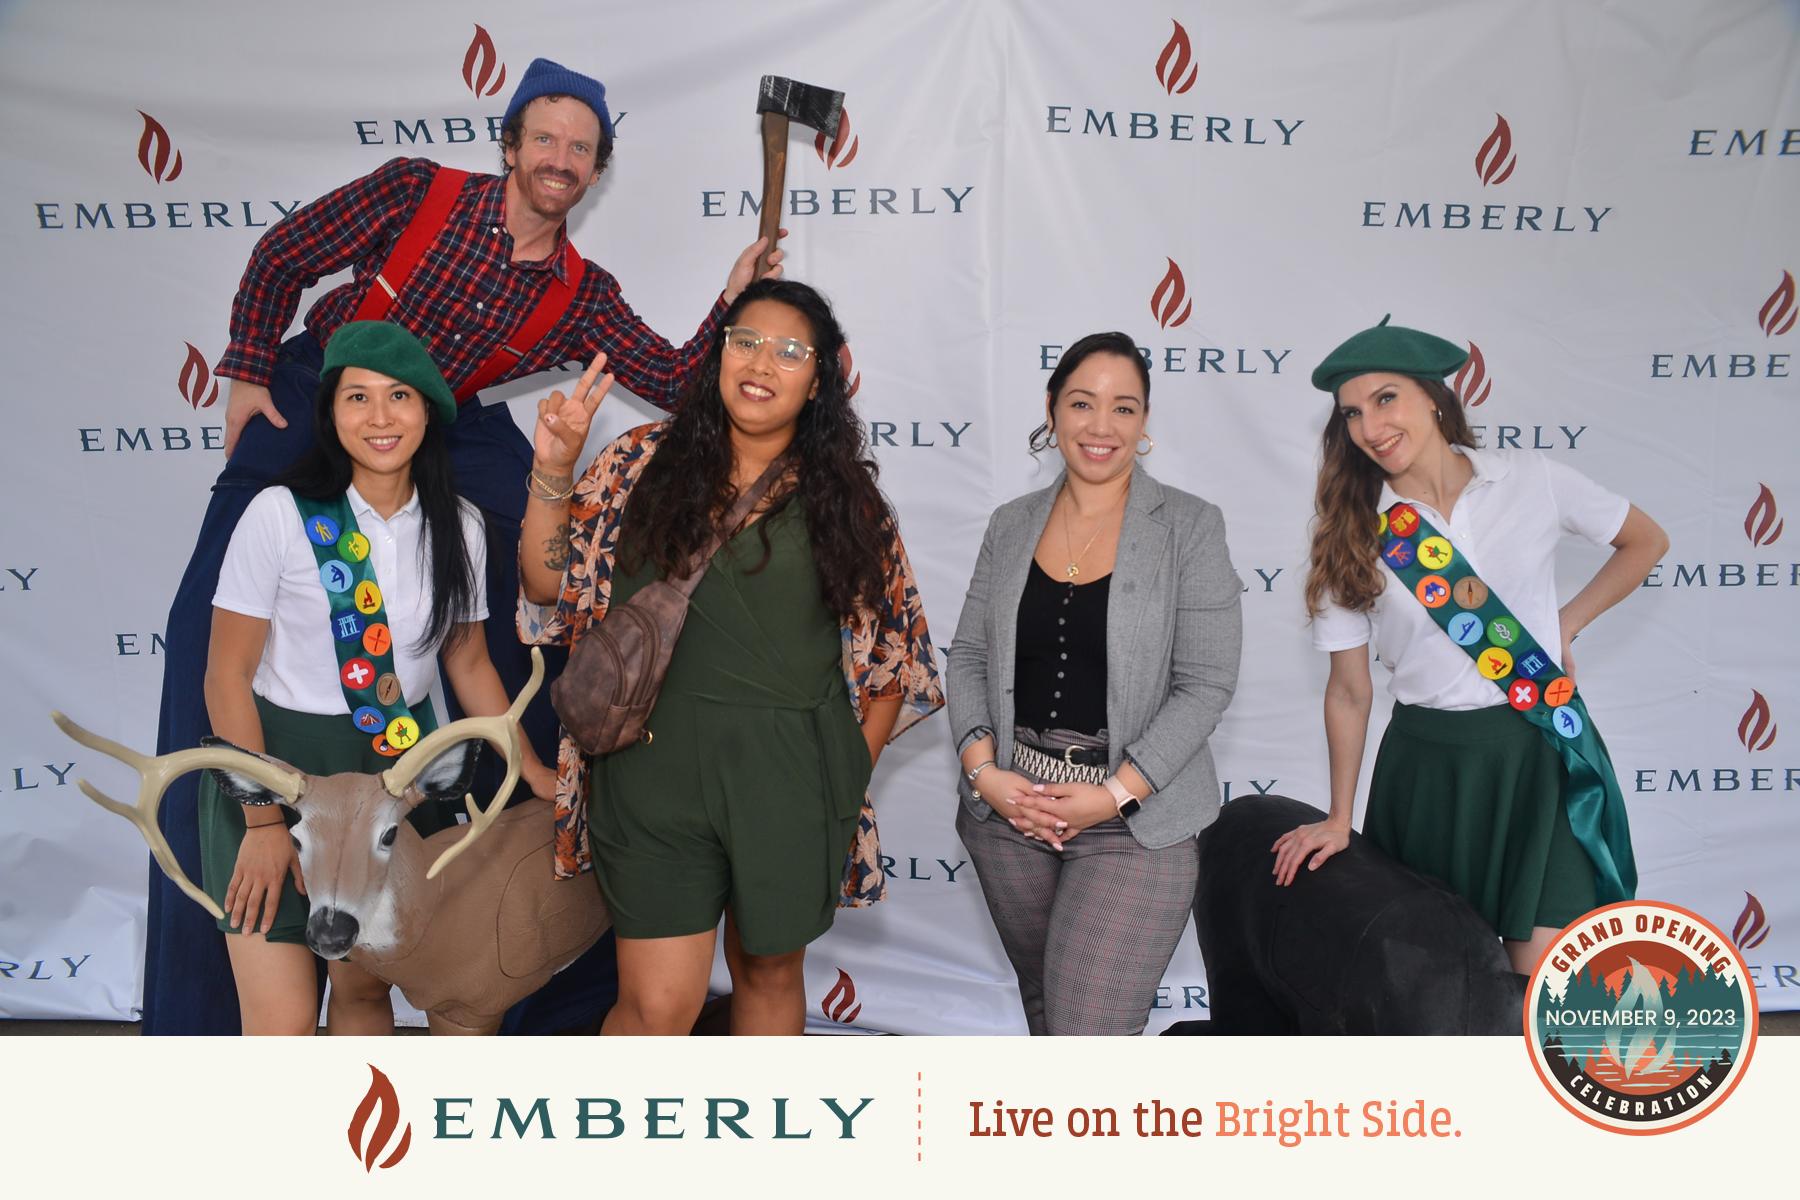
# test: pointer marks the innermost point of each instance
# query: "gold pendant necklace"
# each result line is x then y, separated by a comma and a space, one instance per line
1074, 567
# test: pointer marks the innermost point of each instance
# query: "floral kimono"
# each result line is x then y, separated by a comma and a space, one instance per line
887, 651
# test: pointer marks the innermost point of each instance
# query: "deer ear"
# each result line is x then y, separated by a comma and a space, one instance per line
241, 788
450, 774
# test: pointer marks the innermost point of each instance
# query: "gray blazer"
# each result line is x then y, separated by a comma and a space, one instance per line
1174, 628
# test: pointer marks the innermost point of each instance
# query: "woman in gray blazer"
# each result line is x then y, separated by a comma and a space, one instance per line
1097, 649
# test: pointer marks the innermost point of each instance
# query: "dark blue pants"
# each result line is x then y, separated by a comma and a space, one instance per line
188, 988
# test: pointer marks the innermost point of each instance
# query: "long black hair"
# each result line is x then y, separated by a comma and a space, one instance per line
686, 490
323, 473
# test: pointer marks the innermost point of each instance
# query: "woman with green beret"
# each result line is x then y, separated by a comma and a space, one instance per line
342, 584
1491, 776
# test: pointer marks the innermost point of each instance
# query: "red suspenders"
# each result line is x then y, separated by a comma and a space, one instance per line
420, 234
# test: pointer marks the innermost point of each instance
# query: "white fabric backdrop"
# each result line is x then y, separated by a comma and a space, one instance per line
1601, 198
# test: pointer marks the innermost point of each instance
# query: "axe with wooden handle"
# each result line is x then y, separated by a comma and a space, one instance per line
781, 101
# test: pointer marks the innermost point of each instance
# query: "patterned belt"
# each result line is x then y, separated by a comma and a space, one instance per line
1062, 767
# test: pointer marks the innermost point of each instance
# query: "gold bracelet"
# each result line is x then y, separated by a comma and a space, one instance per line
539, 488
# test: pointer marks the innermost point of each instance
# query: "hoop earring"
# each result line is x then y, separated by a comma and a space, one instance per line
1050, 442
1152, 441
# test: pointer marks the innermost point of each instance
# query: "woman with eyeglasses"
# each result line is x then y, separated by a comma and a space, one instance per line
746, 798
1097, 649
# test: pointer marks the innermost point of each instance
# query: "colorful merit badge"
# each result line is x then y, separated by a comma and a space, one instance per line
1470, 592
1504, 651
359, 628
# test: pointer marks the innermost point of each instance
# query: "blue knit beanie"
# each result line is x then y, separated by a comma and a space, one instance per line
545, 78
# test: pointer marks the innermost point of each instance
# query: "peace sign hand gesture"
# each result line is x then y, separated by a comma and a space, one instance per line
562, 424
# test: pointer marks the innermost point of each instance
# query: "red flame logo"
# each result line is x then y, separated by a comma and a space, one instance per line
841, 151
1778, 311
1472, 382
1752, 926
479, 64
1495, 161
155, 150
1763, 523
1169, 303
380, 1096
839, 1001
1757, 729
1175, 67
853, 377
198, 387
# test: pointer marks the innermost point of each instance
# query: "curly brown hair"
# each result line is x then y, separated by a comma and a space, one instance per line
1345, 543
686, 490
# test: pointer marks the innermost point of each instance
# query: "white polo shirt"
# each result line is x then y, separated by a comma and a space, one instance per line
270, 572
1506, 525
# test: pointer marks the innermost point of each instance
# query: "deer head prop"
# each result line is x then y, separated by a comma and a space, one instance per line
465, 922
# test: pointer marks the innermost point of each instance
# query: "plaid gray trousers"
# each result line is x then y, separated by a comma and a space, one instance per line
1089, 930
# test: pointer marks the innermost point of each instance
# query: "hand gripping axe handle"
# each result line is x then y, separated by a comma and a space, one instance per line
781, 101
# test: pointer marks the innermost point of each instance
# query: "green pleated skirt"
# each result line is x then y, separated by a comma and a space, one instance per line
318, 745
1474, 799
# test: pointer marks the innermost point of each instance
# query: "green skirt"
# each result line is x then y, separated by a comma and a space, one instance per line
318, 745
1474, 799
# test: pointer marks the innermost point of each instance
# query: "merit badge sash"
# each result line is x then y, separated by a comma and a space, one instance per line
1504, 651
359, 625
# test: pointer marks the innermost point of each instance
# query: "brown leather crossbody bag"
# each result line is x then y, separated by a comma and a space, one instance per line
615, 672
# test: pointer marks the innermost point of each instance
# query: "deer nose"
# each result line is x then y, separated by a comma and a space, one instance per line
330, 932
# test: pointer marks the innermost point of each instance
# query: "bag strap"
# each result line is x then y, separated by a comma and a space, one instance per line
1471, 615
420, 234
746, 502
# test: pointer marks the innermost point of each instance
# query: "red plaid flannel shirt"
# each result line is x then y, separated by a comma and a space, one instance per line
462, 300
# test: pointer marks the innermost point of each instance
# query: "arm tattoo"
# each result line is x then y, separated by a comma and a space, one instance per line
556, 550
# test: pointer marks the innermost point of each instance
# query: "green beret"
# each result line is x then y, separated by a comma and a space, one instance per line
385, 347
1389, 348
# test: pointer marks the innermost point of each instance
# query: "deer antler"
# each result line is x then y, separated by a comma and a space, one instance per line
156, 773
501, 731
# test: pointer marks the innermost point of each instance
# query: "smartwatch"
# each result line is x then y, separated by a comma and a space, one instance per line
1128, 803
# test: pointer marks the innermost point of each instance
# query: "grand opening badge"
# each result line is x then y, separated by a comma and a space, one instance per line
1641, 1018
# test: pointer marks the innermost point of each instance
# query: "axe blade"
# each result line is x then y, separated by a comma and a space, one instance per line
815, 107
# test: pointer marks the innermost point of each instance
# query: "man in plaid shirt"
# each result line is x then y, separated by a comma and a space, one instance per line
502, 247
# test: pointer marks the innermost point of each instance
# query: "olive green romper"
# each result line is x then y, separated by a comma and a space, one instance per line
747, 793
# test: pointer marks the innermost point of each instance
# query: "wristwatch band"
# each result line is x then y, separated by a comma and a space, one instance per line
1128, 803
